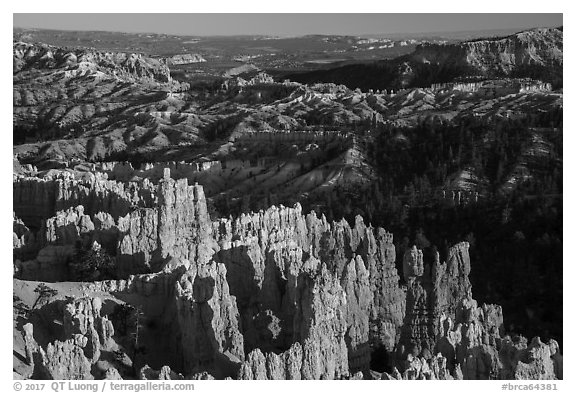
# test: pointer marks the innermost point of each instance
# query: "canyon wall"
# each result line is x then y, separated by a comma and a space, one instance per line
274, 294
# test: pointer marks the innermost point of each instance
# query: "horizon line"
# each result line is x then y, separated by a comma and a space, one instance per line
290, 35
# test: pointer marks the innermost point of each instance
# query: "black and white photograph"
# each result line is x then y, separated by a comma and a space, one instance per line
287, 196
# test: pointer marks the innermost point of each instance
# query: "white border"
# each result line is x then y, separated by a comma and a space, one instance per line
307, 6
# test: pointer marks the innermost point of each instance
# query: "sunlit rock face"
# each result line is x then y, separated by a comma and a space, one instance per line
167, 230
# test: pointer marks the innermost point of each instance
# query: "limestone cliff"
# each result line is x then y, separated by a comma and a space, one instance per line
534, 361
175, 229
500, 56
418, 368
60, 360
142, 234
432, 291
265, 251
268, 295
208, 319
82, 316
23, 240
320, 323
359, 301
37, 198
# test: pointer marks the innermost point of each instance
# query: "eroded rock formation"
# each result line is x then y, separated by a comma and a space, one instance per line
432, 291
122, 65
60, 360
82, 316
208, 319
37, 198
278, 295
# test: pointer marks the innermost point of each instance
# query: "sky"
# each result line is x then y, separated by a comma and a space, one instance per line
284, 24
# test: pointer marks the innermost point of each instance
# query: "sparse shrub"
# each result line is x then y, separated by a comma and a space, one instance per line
44, 293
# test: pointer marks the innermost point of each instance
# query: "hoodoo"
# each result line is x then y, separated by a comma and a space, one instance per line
271, 208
